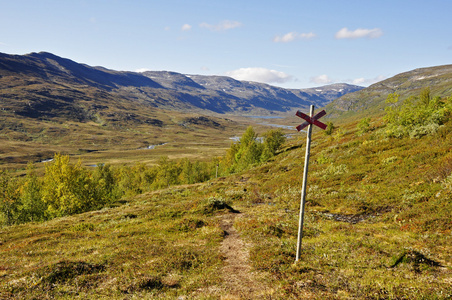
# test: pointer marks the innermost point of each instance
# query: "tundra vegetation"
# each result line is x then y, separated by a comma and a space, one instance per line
377, 224
69, 188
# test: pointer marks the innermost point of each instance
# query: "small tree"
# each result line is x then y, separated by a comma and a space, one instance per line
168, 173
249, 150
273, 140
31, 207
364, 125
68, 188
9, 198
329, 128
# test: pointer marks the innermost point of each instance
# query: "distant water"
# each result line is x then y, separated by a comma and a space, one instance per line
278, 126
150, 147
269, 124
264, 117
47, 160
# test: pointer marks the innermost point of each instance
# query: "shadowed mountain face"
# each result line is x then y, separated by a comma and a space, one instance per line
43, 85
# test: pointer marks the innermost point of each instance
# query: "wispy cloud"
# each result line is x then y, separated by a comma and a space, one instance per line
321, 79
259, 75
186, 27
292, 36
222, 26
344, 33
325, 79
142, 70
367, 81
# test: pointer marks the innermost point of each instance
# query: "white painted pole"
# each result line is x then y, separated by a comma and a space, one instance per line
303, 189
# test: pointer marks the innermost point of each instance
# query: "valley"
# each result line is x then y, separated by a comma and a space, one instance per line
169, 186
53, 105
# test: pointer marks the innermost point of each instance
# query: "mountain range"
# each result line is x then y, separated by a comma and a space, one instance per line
45, 86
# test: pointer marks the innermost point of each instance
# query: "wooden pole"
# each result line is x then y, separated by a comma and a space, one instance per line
303, 189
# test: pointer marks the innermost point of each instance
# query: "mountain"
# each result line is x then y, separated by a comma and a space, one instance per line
43, 85
372, 99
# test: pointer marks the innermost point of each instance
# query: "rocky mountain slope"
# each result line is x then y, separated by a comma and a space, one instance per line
43, 85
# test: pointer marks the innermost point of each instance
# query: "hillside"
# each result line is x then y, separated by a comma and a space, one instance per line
377, 226
51, 104
371, 100
43, 85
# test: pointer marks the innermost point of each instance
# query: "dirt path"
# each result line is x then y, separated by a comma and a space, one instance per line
239, 280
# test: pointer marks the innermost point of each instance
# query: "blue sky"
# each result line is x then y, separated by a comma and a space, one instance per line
293, 44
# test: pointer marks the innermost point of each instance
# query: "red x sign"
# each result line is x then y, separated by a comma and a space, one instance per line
309, 120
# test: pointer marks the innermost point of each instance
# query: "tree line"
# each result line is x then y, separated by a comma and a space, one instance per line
68, 188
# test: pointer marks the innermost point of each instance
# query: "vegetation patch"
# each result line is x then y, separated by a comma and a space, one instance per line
82, 227
64, 271
217, 203
147, 283
416, 259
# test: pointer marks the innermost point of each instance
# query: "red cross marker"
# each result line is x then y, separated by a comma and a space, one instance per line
309, 120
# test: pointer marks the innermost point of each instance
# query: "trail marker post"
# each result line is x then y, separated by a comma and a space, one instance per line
309, 121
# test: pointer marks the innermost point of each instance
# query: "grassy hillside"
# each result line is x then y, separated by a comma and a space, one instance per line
377, 226
371, 100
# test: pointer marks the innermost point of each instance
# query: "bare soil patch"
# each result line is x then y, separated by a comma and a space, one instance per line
240, 281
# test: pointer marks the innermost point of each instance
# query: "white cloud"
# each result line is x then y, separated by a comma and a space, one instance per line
344, 33
291, 36
321, 79
358, 81
142, 70
367, 81
186, 27
260, 75
222, 26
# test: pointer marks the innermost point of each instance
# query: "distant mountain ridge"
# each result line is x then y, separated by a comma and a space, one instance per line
43, 85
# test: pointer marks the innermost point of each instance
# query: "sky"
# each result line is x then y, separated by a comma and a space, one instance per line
287, 43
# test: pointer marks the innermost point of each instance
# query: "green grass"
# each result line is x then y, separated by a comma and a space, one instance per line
149, 246
377, 226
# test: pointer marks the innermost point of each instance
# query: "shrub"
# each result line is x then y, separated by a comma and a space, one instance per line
329, 128
69, 188
363, 125
31, 206
273, 140
9, 198
416, 116
251, 150
422, 130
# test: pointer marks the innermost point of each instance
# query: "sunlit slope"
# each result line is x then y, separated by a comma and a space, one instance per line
371, 100
377, 226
